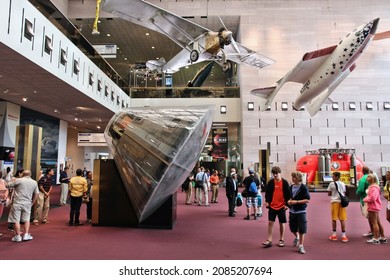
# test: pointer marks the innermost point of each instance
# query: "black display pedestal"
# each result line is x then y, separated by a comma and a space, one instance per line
112, 206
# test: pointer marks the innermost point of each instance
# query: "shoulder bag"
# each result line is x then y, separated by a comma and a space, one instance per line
344, 199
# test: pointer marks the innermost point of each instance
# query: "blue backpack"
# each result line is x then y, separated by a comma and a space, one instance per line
253, 187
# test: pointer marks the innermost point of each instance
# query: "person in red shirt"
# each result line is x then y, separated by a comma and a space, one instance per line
214, 181
277, 194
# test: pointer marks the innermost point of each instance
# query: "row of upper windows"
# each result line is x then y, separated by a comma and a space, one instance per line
103, 86
352, 106
311, 140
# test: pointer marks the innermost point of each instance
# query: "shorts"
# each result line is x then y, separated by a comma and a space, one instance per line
338, 212
19, 213
281, 214
251, 201
298, 223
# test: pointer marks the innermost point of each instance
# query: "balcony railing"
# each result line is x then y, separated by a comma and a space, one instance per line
184, 92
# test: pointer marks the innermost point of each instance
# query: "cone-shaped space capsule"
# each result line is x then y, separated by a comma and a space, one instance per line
155, 149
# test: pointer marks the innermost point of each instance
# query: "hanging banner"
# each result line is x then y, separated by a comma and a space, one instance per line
220, 142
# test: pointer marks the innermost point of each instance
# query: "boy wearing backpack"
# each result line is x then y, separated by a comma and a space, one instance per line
251, 184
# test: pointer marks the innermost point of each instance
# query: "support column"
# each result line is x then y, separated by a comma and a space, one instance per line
28, 149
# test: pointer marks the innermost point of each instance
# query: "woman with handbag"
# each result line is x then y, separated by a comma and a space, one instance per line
374, 206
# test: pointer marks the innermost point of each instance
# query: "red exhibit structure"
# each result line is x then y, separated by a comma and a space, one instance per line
318, 165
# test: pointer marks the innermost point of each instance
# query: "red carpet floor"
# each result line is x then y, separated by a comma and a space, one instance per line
200, 233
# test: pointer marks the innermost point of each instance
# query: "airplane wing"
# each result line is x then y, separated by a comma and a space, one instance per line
247, 56
382, 35
308, 65
314, 105
181, 31
299, 74
178, 29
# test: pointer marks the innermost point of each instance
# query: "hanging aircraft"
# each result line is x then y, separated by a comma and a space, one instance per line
321, 71
198, 43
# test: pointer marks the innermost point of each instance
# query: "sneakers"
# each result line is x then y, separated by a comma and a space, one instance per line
373, 241
383, 240
295, 242
344, 239
45, 222
333, 238
16, 238
301, 250
368, 234
246, 218
267, 244
27, 237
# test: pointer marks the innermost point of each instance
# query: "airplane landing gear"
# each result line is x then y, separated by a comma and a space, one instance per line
194, 55
226, 67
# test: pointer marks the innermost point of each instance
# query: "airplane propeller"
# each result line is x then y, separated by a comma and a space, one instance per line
231, 41
224, 40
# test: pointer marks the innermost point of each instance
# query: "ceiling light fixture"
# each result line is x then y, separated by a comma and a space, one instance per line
147, 34
25, 99
6, 91
108, 34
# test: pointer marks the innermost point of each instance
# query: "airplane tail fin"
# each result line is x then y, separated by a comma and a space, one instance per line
268, 94
315, 104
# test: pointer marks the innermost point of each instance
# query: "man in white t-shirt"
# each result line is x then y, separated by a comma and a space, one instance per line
25, 194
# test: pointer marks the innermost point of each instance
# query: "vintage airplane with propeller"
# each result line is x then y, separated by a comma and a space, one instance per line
321, 71
197, 42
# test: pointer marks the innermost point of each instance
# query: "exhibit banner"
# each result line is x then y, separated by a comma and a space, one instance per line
9, 120
220, 142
